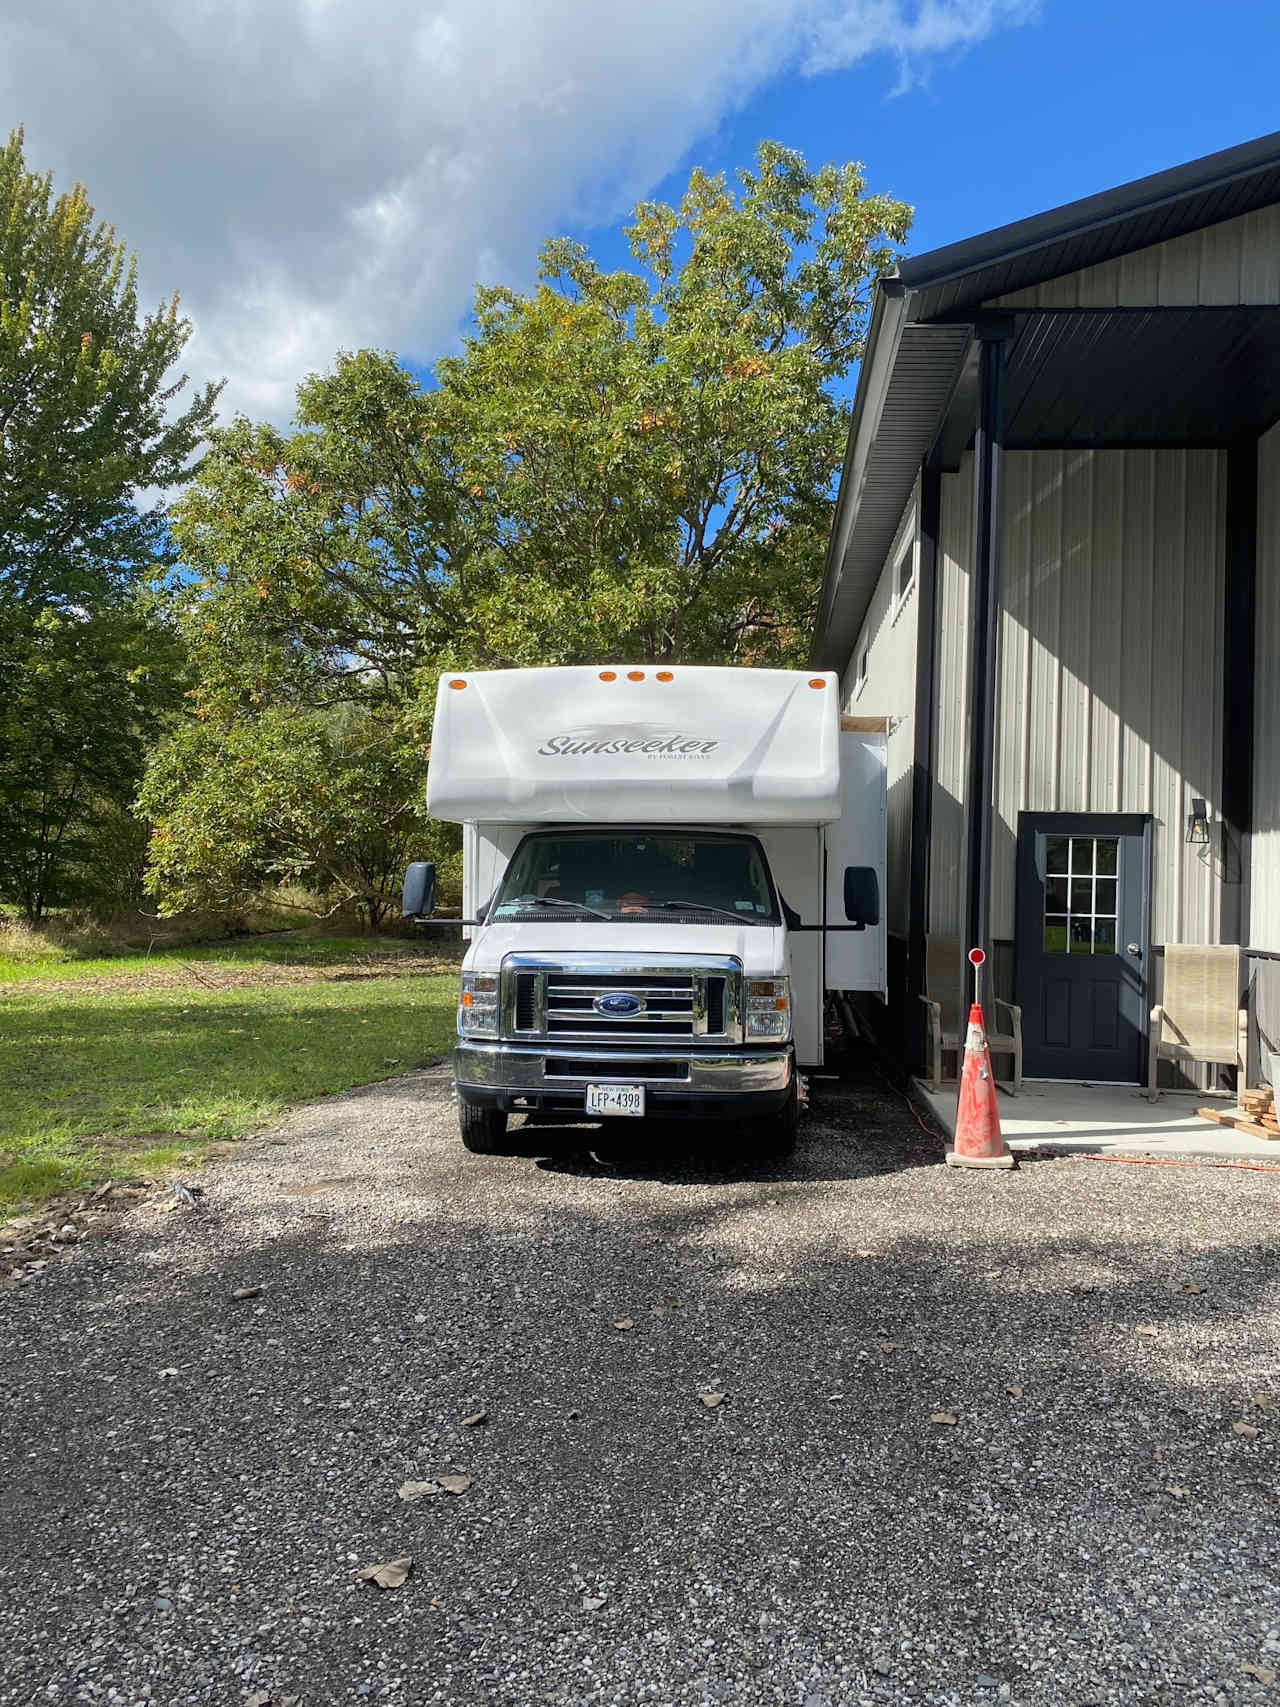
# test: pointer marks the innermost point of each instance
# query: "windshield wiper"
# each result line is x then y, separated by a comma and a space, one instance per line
705, 907
553, 901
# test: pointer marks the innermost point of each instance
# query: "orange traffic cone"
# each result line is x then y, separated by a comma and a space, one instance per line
978, 1140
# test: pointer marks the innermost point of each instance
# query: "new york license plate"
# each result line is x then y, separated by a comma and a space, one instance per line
615, 1099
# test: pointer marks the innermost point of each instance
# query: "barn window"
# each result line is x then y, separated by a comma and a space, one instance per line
904, 570
860, 675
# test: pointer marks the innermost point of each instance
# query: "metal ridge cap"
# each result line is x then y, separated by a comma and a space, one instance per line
1090, 213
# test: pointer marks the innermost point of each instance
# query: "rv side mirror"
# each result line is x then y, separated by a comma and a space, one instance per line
861, 896
418, 897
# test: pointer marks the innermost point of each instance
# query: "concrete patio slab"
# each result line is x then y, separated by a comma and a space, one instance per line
1107, 1118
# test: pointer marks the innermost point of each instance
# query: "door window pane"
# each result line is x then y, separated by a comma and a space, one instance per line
1080, 894
1055, 894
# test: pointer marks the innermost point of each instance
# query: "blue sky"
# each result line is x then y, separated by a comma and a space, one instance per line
1078, 98
317, 175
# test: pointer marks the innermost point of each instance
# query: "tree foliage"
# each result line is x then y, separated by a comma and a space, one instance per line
635, 464
630, 464
330, 801
81, 694
86, 412
88, 664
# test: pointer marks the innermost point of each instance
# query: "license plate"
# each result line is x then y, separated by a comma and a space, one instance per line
615, 1099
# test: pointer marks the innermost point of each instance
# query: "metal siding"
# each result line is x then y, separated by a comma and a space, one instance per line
1110, 665
1264, 923
1107, 664
889, 631
1230, 264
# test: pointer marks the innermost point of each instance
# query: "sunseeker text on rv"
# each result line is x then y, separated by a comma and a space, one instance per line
559, 745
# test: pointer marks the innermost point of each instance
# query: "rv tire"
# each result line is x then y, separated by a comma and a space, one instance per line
775, 1137
483, 1129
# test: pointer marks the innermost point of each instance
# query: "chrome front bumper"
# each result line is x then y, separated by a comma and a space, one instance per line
561, 1073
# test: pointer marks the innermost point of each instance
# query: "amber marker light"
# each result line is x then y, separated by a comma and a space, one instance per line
467, 998
608, 675
457, 682
816, 682
635, 675
665, 676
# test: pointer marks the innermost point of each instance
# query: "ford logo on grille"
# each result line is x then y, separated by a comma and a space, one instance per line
619, 1004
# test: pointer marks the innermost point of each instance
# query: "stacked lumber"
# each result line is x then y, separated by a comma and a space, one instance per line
1255, 1114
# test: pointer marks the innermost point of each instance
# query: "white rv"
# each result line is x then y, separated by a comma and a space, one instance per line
665, 870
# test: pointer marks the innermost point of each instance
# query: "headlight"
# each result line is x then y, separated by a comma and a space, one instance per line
478, 1006
768, 1008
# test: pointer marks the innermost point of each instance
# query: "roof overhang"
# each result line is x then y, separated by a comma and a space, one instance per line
1075, 377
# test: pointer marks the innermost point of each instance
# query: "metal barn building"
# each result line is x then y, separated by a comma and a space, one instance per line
1055, 566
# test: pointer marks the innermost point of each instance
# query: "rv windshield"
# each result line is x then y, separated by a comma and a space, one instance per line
638, 875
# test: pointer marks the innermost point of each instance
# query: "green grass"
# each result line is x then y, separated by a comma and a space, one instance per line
47, 960
133, 1064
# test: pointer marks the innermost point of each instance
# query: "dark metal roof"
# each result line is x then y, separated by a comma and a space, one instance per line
1075, 376
1098, 228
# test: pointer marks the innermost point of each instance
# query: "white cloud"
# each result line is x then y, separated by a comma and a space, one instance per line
316, 174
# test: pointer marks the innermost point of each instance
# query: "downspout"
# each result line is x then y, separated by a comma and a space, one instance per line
984, 633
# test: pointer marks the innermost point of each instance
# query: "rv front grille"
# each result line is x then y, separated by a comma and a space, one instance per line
622, 1001
575, 1005
526, 1001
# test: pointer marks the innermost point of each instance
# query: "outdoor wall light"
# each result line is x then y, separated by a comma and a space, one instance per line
1198, 821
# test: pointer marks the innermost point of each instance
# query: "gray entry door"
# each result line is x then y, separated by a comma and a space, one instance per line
1083, 945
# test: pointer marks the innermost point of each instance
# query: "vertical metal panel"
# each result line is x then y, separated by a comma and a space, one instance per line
1106, 673
1264, 922
1135, 570
889, 633
1110, 667
1235, 261
1260, 256
1044, 612
1075, 644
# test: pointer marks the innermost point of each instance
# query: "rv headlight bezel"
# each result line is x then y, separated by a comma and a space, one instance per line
478, 1004
768, 1010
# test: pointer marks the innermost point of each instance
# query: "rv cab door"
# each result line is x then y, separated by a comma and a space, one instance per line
855, 959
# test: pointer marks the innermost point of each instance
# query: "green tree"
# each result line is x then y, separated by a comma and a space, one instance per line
88, 421
330, 801
625, 465
629, 464
80, 694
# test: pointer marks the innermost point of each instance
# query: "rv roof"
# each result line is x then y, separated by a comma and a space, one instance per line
636, 744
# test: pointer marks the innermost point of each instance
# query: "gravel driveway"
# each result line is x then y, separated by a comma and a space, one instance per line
191, 1483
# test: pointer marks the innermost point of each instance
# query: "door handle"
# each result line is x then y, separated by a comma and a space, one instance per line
1135, 949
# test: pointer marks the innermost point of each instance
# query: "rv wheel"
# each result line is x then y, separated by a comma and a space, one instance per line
776, 1136
482, 1129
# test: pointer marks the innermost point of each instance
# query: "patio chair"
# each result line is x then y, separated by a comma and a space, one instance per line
1200, 1017
948, 1011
